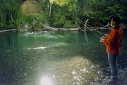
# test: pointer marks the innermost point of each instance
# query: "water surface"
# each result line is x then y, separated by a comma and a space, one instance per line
56, 58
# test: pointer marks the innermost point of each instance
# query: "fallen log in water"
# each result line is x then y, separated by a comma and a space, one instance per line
8, 30
46, 27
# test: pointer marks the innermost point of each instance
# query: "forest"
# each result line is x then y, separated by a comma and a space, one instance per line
33, 14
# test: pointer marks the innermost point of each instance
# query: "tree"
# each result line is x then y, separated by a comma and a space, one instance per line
70, 3
9, 11
62, 12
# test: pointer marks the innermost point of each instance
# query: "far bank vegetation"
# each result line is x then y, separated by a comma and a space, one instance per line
25, 15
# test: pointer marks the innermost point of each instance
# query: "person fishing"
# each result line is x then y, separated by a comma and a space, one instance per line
113, 42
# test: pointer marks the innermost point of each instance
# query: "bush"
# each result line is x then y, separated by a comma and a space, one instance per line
59, 20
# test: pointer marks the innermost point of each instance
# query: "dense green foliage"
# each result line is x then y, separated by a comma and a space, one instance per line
8, 13
61, 13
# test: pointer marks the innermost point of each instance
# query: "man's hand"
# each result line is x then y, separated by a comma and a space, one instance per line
104, 37
102, 40
105, 34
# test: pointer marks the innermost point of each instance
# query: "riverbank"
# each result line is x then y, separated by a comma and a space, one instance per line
58, 29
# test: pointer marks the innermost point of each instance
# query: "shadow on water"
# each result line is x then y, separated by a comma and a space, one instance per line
60, 57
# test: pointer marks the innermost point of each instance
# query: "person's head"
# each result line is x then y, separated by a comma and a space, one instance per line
115, 21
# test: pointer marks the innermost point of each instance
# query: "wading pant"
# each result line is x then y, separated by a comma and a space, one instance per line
112, 59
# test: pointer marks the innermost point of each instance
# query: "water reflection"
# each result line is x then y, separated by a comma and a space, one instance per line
70, 71
38, 48
45, 80
8, 40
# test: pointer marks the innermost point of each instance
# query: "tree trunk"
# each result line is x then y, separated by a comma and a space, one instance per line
50, 9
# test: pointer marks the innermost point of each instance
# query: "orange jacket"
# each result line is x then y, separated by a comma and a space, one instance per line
114, 40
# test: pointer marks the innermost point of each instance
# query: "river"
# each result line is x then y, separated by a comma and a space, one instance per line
57, 58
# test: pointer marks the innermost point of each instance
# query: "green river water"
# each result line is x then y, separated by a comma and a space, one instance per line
56, 58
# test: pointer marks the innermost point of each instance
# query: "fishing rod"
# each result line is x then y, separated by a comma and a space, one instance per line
96, 34
90, 29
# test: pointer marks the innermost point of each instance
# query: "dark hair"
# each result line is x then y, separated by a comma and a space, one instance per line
117, 20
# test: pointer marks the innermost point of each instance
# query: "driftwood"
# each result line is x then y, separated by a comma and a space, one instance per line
86, 23
7, 30
83, 25
46, 27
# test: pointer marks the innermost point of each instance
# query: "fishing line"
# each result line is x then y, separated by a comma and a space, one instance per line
99, 32
95, 33
89, 29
